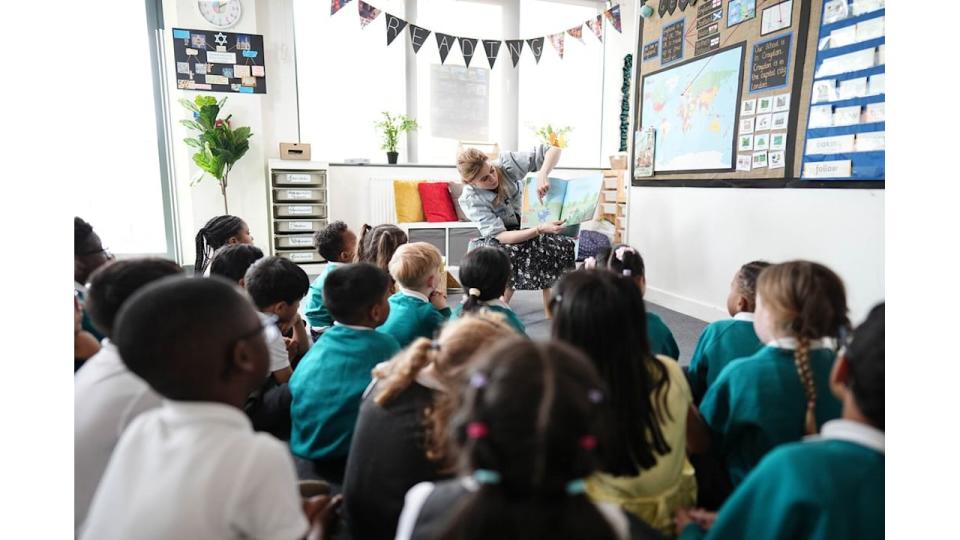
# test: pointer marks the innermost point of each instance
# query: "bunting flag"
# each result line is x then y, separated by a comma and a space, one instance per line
335, 5
577, 32
515, 46
536, 47
557, 41
444, 42
417, 36
367, 13
467, 47
492, 48
614, 15
682, 5
394, 27
597, 26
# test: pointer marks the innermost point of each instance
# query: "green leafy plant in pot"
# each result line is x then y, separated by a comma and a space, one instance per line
391, 127
218, 145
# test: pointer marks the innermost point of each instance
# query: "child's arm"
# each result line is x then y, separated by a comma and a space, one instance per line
301, 337
322, 514
698, 434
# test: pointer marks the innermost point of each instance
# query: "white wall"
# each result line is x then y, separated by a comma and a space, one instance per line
694, 239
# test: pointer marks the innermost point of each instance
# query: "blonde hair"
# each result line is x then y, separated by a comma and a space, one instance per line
413, 263
458, 342
469, 163
807, 301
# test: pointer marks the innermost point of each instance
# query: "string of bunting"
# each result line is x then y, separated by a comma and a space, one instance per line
468, 46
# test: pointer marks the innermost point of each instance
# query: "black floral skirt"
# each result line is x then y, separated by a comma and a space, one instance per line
537, 263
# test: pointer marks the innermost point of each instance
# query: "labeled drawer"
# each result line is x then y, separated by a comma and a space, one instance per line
300, 225
301, 257
300, 178
609, 196
300, 210
291, 194
612, 182
301, 241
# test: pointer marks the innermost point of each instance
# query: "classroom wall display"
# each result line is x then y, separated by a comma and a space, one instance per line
770, 63
215, 61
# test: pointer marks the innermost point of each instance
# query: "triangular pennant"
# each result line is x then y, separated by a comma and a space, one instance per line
536, 47
596, 25
682, 4
335, 5
417, 36
395, 25
557, 41
577, 32
492, 48
444, 42
467, 47
515, 46
367, 13
614, 15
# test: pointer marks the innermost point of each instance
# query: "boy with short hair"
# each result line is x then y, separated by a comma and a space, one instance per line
419, 308
232, 261
337, 244
194, 468
106, 395
277, 285
329, 382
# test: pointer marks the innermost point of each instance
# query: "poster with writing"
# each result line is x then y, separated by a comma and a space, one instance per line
651, 50
214, 61
671, 43
770, 64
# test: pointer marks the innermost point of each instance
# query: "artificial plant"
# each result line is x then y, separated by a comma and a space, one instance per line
392, 126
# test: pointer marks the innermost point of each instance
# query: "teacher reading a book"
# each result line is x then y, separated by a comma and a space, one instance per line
492, 197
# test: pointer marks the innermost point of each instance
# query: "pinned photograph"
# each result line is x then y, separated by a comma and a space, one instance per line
227, 72
764, 105
761, 141
243, 43
744, 161
746, 126
776, 160
198, 41
781, 102
764, 122
201, 69
780, 120
240, 71
778, 141
748, 107
746, 143
235, 87
248, 81
759, 160
257, 71
183, 67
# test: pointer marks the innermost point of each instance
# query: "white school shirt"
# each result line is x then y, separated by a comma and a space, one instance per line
279, 358
197, 470
106, 398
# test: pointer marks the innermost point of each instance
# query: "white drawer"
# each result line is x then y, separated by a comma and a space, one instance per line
300, 210
300, 178
296, 195
300, 241
299, 225
301, 257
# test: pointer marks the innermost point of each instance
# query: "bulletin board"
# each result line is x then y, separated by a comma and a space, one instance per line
717, 128
215, 61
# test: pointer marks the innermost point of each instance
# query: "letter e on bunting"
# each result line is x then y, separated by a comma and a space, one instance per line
417, 36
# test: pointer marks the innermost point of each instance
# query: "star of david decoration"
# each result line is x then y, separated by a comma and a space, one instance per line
220, 38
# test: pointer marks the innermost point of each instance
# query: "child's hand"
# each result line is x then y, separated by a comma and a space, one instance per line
686, 516
322, 514
438, 299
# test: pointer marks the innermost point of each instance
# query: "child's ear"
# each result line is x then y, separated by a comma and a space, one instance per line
743, 305
432, 280
249, 359
232, 240
839, 376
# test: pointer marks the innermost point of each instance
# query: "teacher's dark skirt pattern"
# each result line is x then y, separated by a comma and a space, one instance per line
537, 263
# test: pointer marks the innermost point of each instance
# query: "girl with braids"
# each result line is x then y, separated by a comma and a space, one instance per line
646, 469
484, 273
218, 232
377, 245
724, 341
626, 261
406, 410
831, 486
781, 393
528, 431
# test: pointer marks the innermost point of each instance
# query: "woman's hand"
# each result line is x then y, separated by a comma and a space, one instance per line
552, 227
543, 184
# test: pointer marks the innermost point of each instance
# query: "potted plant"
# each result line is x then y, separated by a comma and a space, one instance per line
219, 146
391, 127
553, 136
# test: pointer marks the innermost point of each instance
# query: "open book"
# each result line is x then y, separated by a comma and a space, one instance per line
573, 201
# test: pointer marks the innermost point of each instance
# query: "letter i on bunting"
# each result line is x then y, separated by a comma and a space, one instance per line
557, 41
577, 32
467, 48
597, 26
515, 46
536, 47
395, 25
614, 15
367, 13
444, 42
492, 48
417, 36
335, 5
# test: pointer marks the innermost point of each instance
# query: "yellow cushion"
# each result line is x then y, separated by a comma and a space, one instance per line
407, 201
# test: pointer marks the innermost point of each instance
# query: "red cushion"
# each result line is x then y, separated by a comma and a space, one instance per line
437, 204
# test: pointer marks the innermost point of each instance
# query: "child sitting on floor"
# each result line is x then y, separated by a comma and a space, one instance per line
337, 245
277, 285
484, 274
220, 231
419, 308
378, 244
194, 468
232, 261
724, 341
329, 381
623, 260
831, 486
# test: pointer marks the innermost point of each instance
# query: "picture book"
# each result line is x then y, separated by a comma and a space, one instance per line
572, 201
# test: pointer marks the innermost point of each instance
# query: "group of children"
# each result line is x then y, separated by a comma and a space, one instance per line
210, 397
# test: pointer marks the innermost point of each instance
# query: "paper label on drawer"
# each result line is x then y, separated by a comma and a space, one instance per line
298, 178
300, 226
301, 256
301, 241
305, 209
300, 194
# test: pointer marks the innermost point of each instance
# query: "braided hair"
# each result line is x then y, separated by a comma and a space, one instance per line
747, 280
808, 302
377, 245
82, 231
530, 421
213, 236
484, 273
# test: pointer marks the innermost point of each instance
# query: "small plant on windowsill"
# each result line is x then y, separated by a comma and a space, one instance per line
218, 145
391, 127
553, 136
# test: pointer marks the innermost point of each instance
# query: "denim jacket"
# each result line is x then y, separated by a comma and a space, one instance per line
477, 203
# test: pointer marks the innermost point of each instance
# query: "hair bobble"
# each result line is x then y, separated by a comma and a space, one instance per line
627, 272
587, 442
473, 292
589, 263
576, 487
623, 249
595, 396
478, 380
486, 476
477, 430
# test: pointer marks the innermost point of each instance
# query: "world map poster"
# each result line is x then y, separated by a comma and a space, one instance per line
693, 107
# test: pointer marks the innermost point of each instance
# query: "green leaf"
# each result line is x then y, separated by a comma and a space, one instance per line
187, 104
191, 124
193, 142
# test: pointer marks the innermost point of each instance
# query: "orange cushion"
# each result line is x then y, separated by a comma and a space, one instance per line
407, 201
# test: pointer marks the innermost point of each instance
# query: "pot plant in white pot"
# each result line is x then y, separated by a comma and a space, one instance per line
391, 127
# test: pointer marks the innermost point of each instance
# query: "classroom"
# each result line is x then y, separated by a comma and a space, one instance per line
422, 269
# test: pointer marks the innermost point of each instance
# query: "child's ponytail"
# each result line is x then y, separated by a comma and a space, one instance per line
362, 243
403, 370
473, 302
203, 253
801, 358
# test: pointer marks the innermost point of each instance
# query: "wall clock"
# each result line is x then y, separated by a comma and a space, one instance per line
220, 13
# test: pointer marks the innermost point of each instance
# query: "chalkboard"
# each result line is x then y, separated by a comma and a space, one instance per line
671, 44
217, 61
770, 66
651, 50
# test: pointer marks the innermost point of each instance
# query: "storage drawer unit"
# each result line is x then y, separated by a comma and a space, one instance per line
300, 210
297, 194
613, 202
299, 225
